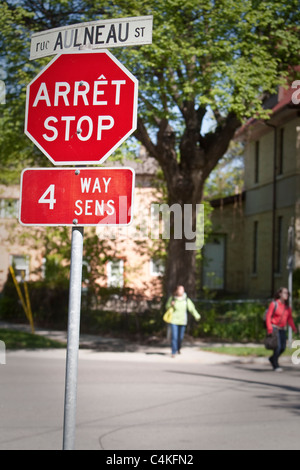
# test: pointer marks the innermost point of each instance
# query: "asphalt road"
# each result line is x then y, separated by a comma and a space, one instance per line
144, 400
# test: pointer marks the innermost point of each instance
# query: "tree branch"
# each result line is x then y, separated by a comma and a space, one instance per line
142, 135
217, 143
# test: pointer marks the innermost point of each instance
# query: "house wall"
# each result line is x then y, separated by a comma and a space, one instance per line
259, 283
228, 220
265, 136
135, 246
16, 240
266, 207
266, 203
131, 244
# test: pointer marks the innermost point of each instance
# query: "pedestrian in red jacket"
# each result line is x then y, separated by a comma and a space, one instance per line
278, 316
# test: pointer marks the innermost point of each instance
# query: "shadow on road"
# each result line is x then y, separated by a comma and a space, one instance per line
284, 399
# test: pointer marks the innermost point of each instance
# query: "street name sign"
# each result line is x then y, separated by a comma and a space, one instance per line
81, 107
76, 196
95, 34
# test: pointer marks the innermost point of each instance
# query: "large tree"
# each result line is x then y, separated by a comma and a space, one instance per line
221, 55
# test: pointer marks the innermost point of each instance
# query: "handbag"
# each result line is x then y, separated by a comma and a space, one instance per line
271, 341
168, 315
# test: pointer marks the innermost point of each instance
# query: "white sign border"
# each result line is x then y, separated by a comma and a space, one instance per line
134, 117
43, 35
72, 224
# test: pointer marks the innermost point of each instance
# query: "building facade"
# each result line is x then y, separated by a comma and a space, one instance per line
257, 228
129, 259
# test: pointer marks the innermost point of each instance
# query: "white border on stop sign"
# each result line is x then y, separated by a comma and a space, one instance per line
120, 142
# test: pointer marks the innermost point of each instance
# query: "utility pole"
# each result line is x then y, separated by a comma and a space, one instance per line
290, 268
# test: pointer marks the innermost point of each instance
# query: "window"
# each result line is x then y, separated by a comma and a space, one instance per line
43, 268
157, 267
256, 163
280, 152
115, 273
278, 246
9, 208
255, 248
20, 263
2, 92
214, 263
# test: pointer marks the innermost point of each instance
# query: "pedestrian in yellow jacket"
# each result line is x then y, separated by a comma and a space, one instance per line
181, 306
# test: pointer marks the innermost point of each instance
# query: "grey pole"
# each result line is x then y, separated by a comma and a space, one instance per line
73, 339
290, 267
290, 288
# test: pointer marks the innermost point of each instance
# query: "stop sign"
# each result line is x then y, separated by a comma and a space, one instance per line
81, 107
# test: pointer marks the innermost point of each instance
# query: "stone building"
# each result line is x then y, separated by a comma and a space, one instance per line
249, 245
131, 254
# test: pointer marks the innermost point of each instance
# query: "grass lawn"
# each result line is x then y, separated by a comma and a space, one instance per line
245, 351
14, 339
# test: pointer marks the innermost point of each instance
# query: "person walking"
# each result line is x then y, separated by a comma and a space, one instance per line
279, 314
181, 306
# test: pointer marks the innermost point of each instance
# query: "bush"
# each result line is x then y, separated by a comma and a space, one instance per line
10, 306
244, 322
119, 312
49, 304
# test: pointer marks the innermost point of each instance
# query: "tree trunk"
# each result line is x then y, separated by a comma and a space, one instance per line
185, 178
181, 267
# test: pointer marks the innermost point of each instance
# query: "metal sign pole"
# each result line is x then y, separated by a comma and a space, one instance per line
290, 267
73, 339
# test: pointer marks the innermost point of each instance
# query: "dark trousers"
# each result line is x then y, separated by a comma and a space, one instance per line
281, 346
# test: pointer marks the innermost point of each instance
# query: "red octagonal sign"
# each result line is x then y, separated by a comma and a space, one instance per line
81, 107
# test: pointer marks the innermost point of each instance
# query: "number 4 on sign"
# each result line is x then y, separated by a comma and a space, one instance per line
50, 200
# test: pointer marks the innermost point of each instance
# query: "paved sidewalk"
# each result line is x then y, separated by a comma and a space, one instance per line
116, 349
